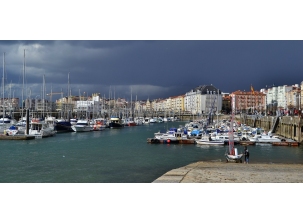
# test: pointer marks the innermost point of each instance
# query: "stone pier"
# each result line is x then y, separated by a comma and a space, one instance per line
287, 126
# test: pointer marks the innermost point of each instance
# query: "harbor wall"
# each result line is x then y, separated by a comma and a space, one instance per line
287, 126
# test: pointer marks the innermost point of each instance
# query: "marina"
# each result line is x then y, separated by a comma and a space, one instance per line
117, 156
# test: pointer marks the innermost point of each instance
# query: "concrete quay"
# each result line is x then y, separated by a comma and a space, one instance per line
222, 172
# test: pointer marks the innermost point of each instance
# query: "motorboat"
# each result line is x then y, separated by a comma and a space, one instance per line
265, 138
40, 129
12, 130
172, 135
82, 126
153, 120
225, 137
209, 141
139, 120
62, 125
146, 120
99, 124
130, 122
116, 122
73, 121
50, 121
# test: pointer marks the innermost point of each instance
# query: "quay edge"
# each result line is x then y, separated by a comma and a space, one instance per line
290, 127
16, 137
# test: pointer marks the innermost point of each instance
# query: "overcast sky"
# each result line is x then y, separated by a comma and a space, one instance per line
150, 69
155, 53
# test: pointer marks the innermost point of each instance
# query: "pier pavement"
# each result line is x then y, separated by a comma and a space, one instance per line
222, 172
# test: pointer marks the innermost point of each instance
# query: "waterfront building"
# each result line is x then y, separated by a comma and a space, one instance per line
248, 102
148, 105
177, 103
139, 107
158, 105
168, 104
226, 103
203, 99
292, 99
284, 99
67, 105
9, 104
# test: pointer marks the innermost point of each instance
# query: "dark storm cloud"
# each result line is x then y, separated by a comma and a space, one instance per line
151, 69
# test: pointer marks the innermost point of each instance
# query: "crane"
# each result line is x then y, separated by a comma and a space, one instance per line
50, 94
54, 93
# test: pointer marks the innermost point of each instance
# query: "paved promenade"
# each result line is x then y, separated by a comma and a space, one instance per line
222, 172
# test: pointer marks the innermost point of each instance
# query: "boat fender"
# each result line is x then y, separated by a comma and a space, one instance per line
168, 140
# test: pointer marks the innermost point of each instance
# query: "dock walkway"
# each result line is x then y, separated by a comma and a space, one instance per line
222, 172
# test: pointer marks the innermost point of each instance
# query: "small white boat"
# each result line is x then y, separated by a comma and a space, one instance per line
12, 130
82, 126
233, 156
209, 141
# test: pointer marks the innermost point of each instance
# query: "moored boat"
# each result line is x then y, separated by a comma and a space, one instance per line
209, 141
12, 130
99, 124
265, 138
40, 129
62, 125
82, 126
115, 122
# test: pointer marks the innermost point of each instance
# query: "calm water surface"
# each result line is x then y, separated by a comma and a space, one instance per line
115, 156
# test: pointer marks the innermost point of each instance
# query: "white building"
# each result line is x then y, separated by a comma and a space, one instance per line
203, 100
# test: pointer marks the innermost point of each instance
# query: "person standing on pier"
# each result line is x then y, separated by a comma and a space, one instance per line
246, 155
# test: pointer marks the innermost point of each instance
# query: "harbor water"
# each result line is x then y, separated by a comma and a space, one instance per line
116, 156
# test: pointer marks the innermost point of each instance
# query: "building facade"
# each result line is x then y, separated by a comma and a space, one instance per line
203, 99
248, 102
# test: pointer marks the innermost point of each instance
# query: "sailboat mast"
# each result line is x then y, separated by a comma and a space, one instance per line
231, 128
131, 102
3, 86
43, 95
68, 89
218, 109
23, 84
51, 95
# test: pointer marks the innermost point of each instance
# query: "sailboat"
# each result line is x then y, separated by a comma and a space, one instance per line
232, 154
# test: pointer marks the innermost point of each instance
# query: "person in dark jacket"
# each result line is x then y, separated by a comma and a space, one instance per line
246, 155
